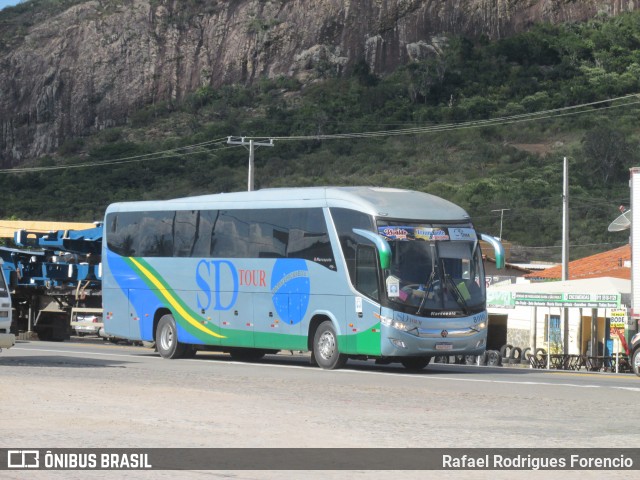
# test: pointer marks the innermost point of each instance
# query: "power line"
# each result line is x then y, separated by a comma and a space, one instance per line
184, 151
175, 152
545, 114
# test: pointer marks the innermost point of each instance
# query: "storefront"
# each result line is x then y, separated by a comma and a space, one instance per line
578, 317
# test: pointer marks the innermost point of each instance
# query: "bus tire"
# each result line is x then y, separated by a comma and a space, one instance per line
635, 361
312, 360
415, 363
325, 347
167, 339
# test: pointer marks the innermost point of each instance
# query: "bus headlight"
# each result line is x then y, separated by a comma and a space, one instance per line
398, 325
478, 327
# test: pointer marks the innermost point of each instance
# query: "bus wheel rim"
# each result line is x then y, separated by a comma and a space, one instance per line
166, 339
327, 345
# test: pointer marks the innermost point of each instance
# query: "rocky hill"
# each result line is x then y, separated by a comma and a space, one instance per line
71, 68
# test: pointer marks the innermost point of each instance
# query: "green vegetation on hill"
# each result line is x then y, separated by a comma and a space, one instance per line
515, 164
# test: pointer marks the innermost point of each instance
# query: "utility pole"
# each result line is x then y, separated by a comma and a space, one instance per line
501, 210
565, 249
252, 144
565, 221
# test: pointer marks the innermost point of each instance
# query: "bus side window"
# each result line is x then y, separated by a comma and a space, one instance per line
367, 271
123, 228
186, 224
345, 221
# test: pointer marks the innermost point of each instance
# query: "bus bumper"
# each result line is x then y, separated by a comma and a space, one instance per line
396, 343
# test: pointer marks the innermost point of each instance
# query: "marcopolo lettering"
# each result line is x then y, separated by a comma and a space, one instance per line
209, 278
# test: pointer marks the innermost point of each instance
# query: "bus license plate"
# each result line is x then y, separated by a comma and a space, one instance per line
444, 346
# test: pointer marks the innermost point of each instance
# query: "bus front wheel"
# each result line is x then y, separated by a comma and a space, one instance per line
167, 339
325, 348
635, 361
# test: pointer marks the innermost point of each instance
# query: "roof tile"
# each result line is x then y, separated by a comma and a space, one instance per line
606, 264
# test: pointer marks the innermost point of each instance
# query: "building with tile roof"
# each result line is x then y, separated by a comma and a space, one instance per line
614, 263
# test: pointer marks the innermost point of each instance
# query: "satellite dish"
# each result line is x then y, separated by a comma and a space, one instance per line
623, 222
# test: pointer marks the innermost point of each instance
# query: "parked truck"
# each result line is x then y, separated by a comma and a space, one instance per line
7, 339
55, 282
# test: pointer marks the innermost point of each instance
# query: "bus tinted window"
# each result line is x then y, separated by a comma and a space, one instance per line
308, 237
204, 238
240, 234
281, 233
345, 221
367, 271
268, 233
135, 234
155, 234
186, 230
122, 233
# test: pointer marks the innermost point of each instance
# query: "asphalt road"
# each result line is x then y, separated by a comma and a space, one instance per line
91, 394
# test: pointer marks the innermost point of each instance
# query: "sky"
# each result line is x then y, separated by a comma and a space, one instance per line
8, 3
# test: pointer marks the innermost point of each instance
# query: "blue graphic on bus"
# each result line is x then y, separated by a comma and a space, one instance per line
290, 287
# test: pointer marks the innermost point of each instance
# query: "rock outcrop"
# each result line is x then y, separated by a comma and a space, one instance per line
88, 67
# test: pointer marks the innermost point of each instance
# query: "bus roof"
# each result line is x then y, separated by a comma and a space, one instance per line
377, 201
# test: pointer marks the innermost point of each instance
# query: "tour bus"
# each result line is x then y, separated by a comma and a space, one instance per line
7, 339
341, 272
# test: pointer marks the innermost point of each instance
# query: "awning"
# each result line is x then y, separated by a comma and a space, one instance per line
604, 292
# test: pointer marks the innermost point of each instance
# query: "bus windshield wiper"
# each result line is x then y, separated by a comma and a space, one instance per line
427, 290
459, 297
430, 281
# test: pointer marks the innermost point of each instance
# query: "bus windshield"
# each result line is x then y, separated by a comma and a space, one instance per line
434, 268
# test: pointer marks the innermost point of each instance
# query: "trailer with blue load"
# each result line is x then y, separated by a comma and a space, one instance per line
54, 279
7, 339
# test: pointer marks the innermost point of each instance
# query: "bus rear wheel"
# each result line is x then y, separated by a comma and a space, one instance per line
415, 363
325, 348
167, 339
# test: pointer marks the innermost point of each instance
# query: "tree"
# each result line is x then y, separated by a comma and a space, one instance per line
606, 152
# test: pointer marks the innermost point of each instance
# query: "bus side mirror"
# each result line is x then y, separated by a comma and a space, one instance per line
384, 250
497, 247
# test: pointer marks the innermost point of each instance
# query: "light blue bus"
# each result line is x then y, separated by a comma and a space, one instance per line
341, 272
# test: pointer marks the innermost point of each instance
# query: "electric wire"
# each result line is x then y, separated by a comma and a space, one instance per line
545, 114
178, 151
171, 153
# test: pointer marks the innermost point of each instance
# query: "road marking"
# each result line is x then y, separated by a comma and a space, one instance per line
85, 353
344, 370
